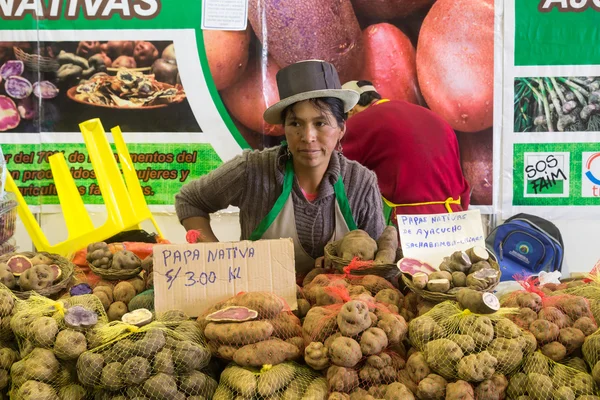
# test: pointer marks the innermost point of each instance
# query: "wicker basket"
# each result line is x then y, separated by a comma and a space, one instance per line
440, 297
36, 62
387, 271
67, 269
115, 274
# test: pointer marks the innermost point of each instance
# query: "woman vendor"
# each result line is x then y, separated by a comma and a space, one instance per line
304, 189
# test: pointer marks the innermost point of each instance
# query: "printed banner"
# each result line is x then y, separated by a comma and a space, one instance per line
551, 129
148, 67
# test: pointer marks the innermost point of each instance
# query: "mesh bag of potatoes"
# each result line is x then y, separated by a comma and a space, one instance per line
588, 289
60, 326
540, 378
591, 353
357, 345
456, 343
117, 296
9, 305
9, 354
288, 380
51, 336
422, 383
164, 360
370, 288
253, 329
560, 323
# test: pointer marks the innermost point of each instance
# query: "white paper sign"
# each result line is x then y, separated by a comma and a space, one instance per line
431, 237
228, 15
194, 277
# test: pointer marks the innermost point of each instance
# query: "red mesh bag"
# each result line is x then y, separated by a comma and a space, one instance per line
356, 343
560, 322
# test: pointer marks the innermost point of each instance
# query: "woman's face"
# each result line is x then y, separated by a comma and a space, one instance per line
312, 134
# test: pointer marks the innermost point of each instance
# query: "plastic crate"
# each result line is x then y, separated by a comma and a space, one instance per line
8, 216
10, 246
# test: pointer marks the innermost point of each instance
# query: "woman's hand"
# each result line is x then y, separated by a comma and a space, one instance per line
323, 262
202, 225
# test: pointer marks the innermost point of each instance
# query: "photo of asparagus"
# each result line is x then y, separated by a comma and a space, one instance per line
557, 104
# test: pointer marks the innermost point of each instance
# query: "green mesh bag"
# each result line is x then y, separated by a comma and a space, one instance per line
288, 381
8, 356
51, 335
163, 360
540, 378
460, 345
9, 305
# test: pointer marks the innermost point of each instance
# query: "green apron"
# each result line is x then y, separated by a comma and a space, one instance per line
280, 222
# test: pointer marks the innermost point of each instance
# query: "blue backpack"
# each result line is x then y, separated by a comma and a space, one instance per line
526, 244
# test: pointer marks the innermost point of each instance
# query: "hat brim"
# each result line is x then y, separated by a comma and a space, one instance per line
272, 115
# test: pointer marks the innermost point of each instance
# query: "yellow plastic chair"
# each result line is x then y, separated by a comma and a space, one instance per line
125, 203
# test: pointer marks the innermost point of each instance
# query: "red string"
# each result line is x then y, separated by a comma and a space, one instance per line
194, 236
357, 264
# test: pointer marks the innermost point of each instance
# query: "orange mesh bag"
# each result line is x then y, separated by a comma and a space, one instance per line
456, 343
253, 329
303, 304
588, 288
560, 322
163, 360
367, 285
540, 378
287, 380
357, 343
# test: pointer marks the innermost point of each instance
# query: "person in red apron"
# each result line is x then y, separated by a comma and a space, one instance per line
413, 152
304, 189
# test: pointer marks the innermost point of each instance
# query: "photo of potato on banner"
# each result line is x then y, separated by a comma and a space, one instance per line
439, 54
53, 86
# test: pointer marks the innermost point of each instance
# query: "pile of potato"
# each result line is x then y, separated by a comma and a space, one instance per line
471, 269
358, 244
287, 380
354, 345
116, 296
155, 362
560, 324
253, 329
328, 289
23, 273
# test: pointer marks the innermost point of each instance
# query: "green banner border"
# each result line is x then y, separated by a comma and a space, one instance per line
575, 176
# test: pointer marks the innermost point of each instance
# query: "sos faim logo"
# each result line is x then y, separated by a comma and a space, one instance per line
546, 174
590, 174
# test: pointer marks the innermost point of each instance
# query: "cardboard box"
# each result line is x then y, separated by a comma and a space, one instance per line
193, 277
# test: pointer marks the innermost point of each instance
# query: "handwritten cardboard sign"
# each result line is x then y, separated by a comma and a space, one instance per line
193, 277
431, 237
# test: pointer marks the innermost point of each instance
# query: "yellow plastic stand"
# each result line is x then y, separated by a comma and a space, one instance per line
125, 203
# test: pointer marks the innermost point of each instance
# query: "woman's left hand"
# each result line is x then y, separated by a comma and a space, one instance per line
323, 262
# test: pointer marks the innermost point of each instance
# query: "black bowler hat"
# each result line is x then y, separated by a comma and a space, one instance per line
308, 80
